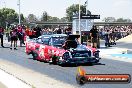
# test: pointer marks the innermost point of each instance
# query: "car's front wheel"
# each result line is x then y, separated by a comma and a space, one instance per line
35, 55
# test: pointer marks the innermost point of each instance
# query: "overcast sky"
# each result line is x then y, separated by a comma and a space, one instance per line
105, 8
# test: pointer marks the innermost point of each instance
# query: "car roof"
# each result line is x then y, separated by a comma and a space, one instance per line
54, 35
44, 36
59, 35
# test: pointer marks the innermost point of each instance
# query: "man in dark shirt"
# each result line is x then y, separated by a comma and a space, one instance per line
1, 35
59, 31
94, 36
38, 31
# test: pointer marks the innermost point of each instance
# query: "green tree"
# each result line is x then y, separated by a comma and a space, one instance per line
109, 19
9, 16
23, 19
112, 19
123, 20
32, 18
74, 9
45, 17
53, 19
64, 19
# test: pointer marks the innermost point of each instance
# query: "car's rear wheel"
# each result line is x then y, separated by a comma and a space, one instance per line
54, 60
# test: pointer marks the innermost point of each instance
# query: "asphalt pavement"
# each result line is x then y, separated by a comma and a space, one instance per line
68, 74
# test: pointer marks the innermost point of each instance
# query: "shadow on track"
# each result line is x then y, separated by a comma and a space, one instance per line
86, 64
5, 47
70, 65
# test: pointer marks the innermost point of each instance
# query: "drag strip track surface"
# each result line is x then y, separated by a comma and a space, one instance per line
68, 74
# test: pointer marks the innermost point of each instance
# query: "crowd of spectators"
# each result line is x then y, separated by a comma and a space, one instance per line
108, 33
112, 33
57, 30
117, 31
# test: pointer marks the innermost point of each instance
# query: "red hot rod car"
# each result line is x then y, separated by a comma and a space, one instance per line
61, 49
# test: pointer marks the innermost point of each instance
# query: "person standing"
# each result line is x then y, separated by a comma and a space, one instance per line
107, 38
1, 35
59, 31
31, 33
14, 38
38, 31
27, 31
94, 36
20, 34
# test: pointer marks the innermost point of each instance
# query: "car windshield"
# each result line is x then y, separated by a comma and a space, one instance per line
58, 41
45, 40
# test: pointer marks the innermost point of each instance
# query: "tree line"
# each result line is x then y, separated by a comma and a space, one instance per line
9, 16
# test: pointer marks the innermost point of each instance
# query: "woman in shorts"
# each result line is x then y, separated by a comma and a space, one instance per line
14, 38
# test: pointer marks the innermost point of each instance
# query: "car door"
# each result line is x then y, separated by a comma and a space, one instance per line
38, 43
48, 50
52, 48
44, 49
38, 47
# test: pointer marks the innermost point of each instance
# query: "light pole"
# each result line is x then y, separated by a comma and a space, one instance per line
86, 5
80, 22
19, 12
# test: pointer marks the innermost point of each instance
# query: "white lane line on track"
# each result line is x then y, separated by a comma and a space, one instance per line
34, 78
10, 81
124, 59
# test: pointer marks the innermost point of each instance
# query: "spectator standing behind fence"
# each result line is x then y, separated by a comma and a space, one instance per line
59, 31
68, 31
30, 33
113, 38
14, 38
1, 35
38, 32
94, 36
27, 31
107, 38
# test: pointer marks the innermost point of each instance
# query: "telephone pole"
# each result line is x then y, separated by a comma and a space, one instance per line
79, 21
19, 5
